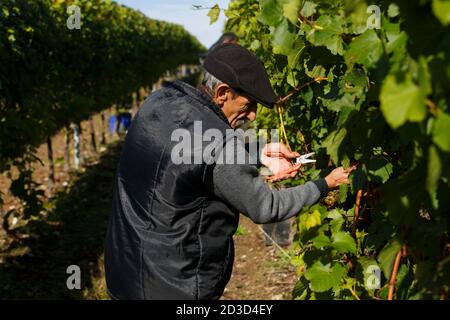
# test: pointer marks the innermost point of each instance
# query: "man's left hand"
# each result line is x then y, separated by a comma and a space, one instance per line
278, 159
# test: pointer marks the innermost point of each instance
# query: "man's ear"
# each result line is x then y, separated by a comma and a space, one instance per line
221, 94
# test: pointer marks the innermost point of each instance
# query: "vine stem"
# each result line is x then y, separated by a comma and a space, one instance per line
303, 19
282, 127
433, 107
297, 89
353, 292
357, 204
392, 280
283, 100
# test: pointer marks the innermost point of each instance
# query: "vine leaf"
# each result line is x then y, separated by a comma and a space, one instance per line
387, 256
271, 12
321, 241
434, 169
283, 38
365, 49
324, 277
308, 9
327, 33
441, 10
333, 142
313, 220
343, 242
441, 137
291, 9
214, 13
343, 189
401, 101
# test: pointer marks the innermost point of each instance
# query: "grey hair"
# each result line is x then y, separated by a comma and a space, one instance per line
209, 81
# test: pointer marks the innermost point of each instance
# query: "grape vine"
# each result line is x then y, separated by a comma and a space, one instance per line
52, 76
378, 97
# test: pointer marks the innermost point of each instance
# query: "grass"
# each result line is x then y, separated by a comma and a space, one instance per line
240, 231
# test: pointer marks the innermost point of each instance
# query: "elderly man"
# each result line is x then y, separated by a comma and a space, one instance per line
170, 235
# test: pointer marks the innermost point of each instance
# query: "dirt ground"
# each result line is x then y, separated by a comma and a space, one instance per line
73, 230
260, 272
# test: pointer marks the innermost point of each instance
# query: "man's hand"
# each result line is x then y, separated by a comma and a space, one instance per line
278, 159
338, 176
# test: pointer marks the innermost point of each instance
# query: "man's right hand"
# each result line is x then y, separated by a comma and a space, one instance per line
338, 176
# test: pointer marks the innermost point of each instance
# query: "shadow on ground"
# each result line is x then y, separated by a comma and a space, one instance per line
71, 232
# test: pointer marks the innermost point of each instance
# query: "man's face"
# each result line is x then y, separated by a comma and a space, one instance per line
237, 107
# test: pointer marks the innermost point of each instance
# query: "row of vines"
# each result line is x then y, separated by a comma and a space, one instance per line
53, 73
373, 95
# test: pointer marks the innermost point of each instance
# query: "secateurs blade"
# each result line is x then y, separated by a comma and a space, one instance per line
304, 159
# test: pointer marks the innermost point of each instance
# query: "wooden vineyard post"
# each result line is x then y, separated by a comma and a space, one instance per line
93, 142
76, 145
51, 172
67, 151
102, 132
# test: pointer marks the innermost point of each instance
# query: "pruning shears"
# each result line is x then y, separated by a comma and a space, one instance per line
304, 159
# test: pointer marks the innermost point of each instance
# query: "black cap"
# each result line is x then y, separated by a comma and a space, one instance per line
242, 71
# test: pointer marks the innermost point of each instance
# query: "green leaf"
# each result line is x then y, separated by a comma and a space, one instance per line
308, 9
324, 277
343, 189
271, 12
441, 9
312, 220
387, 256
424, 77
365, 49
379, 168
283, 38
343, 242
333, 142
300, 289
326, 32
256, 44
292, 79
401, 101
294, 55
335, 213
214, 13
291, 9
405, 278
340, 103
321, 241
434, 169
441, 132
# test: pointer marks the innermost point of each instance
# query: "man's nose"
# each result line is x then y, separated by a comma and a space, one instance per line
251, 115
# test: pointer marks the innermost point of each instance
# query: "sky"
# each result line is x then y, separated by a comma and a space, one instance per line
181, 12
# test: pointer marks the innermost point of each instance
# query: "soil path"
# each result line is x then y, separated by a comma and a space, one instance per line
260, 272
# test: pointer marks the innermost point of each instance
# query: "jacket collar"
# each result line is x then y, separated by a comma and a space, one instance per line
198, 95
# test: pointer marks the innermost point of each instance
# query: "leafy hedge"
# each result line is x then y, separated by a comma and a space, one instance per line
376, 97
51, 76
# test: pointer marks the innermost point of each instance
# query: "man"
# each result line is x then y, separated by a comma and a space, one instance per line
170, 232
227, 37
